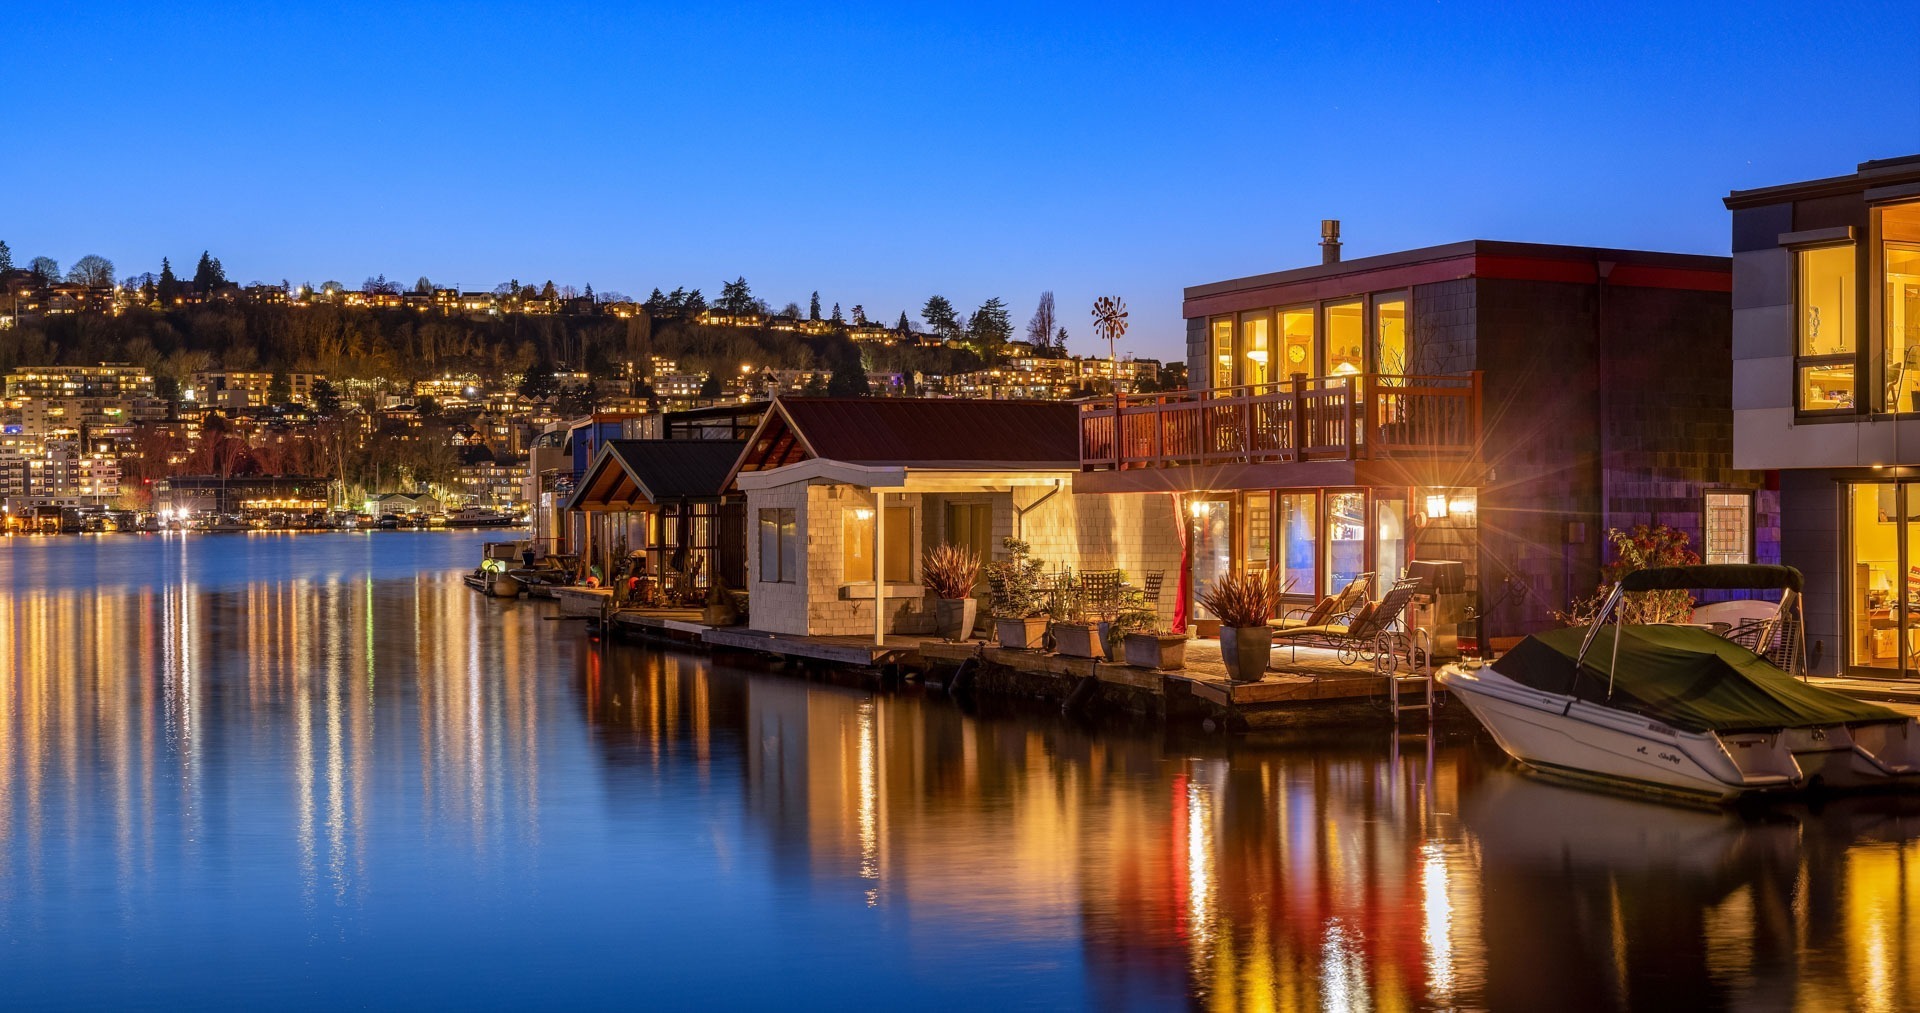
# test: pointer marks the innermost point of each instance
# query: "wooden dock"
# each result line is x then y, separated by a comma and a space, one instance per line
860, 652
1312, 690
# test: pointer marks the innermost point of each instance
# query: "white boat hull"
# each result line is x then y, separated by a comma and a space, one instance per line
1572, 738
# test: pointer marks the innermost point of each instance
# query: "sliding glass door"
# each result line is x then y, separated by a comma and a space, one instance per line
1883, 577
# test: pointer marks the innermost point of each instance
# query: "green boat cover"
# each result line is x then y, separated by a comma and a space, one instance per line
1681, 676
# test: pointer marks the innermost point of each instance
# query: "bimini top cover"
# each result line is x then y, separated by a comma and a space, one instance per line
1720, 576
1680, 676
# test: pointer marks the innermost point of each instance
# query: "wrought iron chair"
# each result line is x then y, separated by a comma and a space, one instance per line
1100, 594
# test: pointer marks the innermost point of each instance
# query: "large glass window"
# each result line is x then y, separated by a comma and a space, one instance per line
1901, 312
1881, 594
1296, 341
1298, 541
1729, 527
1390, 540
1346, 338
779, 546
857, 545
1826, 343
1254, 348
1212, 546
1256, 533
1222, 354
1390, 334
1346, 539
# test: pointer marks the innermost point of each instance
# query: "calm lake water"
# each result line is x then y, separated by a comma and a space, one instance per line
315, 771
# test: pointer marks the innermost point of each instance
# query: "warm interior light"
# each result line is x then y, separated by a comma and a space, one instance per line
862, 513
1436, 506
1201, 508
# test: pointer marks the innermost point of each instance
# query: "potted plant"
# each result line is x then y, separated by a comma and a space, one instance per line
1244, 603
950, 571
1142, 643
1016, 600
1075, 637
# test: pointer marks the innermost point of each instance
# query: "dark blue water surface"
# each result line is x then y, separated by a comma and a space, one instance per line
315, 771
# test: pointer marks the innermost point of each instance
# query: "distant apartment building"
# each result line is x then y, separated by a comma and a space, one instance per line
108, 379
232, 388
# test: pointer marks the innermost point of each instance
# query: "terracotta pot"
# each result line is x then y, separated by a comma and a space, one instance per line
1028, 634
1077, 640
953, 617
1245, 650
1166, 652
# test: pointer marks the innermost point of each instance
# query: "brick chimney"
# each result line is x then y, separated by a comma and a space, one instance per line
1329, 240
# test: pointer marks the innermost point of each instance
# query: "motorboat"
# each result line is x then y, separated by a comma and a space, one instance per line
478, 517
1678, 709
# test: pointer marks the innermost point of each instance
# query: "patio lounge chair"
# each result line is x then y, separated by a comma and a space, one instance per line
1332, 609
1369, 634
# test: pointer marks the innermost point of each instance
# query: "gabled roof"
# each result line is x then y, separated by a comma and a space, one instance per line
655, 471
917, 433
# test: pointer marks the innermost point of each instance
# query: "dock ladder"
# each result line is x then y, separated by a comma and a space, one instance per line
1414, 690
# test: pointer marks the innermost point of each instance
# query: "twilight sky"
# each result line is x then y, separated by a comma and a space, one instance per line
883, 153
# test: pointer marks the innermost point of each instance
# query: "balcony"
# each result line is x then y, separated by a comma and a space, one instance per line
1362, 417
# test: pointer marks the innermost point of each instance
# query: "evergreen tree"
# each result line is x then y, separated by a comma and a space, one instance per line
208, 273
813, 307
838, 320
279, 389
589, 293
710, 387
168, 287
422, 286
6, 256
326, 399
696, 303
547, 291
736, 299
940, 317
849, 379
904, 327
1060, 341
990, 329
814, 387
539, 384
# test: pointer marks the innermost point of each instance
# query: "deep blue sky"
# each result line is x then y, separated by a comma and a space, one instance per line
881, 154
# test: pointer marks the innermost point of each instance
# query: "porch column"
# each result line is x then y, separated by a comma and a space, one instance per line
879, 568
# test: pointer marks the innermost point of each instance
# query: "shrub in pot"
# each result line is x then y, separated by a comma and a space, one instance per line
1244, 603
1142, 643
1016, 599
950, 571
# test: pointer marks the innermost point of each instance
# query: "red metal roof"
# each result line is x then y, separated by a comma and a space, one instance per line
929, 433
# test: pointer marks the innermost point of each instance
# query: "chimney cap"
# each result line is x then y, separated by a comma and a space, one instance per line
1329, 228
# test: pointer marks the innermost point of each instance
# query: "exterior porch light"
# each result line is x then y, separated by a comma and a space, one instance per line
1201, 508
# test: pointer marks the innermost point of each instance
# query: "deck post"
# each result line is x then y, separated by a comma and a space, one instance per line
1300, 416
879, 568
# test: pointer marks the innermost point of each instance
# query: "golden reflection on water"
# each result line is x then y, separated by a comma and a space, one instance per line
1363, 872
1346, 875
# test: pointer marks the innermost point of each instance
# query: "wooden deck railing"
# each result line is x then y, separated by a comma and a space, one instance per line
1363, 416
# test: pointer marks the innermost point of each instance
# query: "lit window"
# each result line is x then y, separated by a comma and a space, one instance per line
1729, 527
1825, 344
857, 545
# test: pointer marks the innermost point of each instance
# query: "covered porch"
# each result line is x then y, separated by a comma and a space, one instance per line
655, 526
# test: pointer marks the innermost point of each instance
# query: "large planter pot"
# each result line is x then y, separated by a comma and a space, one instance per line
1245, 650
1166, 652
1021, 634
1077, 640
953, 617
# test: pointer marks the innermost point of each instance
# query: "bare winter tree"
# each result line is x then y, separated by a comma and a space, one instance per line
91, 269
1040, 329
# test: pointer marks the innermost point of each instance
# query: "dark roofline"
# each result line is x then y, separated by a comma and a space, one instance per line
1866, 176
1460, 251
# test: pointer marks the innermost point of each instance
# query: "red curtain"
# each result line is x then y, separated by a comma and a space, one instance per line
1185, 583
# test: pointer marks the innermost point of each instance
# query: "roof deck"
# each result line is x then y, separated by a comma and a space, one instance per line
1363, 416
